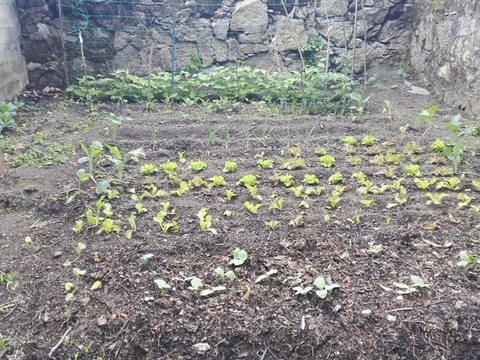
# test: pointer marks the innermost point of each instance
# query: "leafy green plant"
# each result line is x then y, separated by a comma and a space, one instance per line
417, 282
429, 114
438, 145
359, 103
350, 140
212, 290
467, 260
265, 276
286, 180
465, 201
354, 161
389, 109
145, 259
161, 285
367, 202
8, 111
272, 224
197, 166
277, 205
457, 144
263, 164
323, 289
450, 184
368, 140
163, 215
435, 198
297, 190
412, 170
239, 257
217, 180
230, 166
253, 208
169, 167
230, 194
225, 274
425, 183
333, 201
335, 178
327, 161
248, 179
206, 221
297, 221
292, 164
310, 179
148, 169
92, 154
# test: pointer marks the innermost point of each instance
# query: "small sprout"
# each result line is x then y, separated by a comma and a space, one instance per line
412, 170
310, 179
272, 224
253, 190
228, 213
304, 204
161, 284
229, 274
218, 181
230, 194
265, 276
354, 161
297, 190
140, 209
278, 205
467, 260
345, 256
373, 150
368, 140
96, 285
297, 222
299, 290
313, 191
394, 159
295, 151
212, 290
333, 201
248, 179
79, 248
366, 202
444, 171
230, 166
145, 259
197, 166
324, 289
350, 140
264, 164
77, 273
327, 161
77, 229
417, 282
205, 221
425, 183
320, 151
413, 148
401, 201
169, 167
438, 145
286, 180
195, 284
464, 201
326, 218
239, 257
335, 178
374, 248
360, 177
450, 184
253, 208
293, 164
148, 169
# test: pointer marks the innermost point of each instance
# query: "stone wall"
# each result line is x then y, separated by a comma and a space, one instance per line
446, 50
13, 74
119, 34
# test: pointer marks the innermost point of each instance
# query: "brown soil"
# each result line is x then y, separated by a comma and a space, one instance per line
129, 318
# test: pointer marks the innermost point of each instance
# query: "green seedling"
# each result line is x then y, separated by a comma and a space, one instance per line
295, 151
140, 209
444, 171
286, 180
309, 191
310, 179
212, 290
366, 202
197, 182
338, 190
297, 222
327, 161
183, 187
349, 150
272, 224
320, 151
92, 154
292, 164
323, 289
109, 226
133, 226
417, 282
79, 248
239, 257
161, 285
197, 166
377, 160
206, 221
77, 229
145, 259
449, 184
464, 201
359, 177
438, 145
169, 167
368, 140
217, 181
265, 276
77, 273
333, 201
435, 198
82, 176
360, 103
428, 115
373, 150
230, 166
278, 205
401, 201
248, 179
304, 204
476, 185
389, 109
374, 249
229, 274
230, 194
263, 164
195, 284
299, 290
251, 207
350, 141
413, 148
412, 170
467, 260
228, 213
297, 190
425, 183
181, 157
148, 169
394, 159
335, 178
119, 160
112, 194
253, 190
345, 256
326, 218
354, 161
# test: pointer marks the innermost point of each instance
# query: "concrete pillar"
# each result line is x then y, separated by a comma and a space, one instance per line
13, 72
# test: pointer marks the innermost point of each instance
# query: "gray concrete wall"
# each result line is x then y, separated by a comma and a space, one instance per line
13, 72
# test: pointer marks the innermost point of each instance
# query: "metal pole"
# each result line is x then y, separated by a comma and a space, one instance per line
173, 54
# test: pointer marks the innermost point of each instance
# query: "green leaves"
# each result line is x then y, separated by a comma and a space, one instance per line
239, 257
467, 260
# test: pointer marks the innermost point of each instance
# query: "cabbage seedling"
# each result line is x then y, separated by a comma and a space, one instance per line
297, 222
79, 248
265, 276
239, 257
355, 161
212, 290
92, 154
77, 229
217, 181
251, 207
324, 289
333, 201
467, 260
145, 259
229, 274
299, 290
327, 161
161, 285
140, 209
228, 213
292, 164
366, 202
230, 166
438, 145
109, 226
197, 166
464, 201
297, 190
195, 284
77, 273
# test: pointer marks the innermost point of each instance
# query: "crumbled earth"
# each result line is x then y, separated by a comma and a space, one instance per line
129, 317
